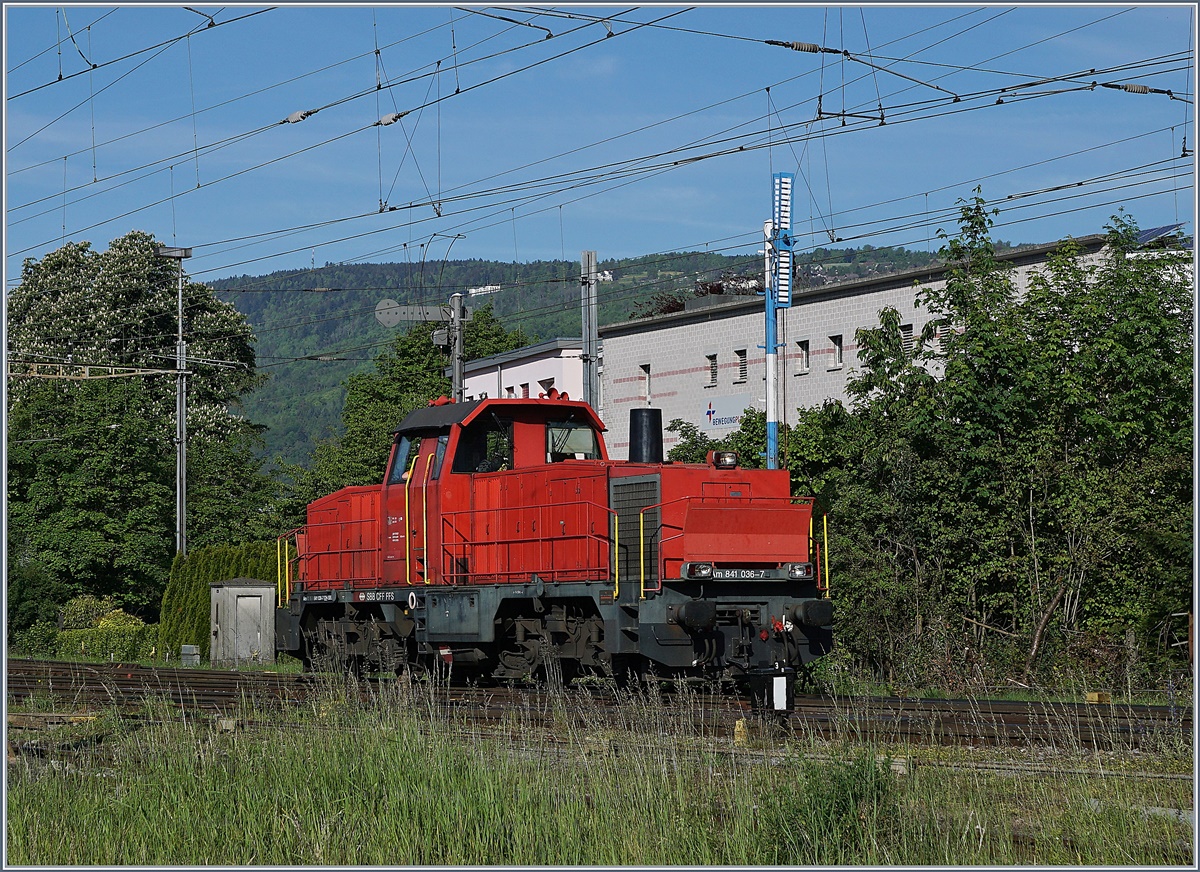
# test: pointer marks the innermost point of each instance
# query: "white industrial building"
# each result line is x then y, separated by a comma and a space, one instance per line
706, 364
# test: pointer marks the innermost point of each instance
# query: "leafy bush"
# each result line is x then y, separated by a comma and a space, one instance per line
34, 594
40, 640
118, 619
85, 612
109, 643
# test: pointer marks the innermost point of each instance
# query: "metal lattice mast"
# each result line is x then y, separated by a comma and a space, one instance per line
778, 294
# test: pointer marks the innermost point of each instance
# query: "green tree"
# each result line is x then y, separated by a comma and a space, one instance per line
91, 462
1019, 480
34, 595
407, 375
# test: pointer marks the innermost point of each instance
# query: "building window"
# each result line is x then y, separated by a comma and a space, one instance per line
712, 370
836, 342
741, 362
802, 357
906, 338
525, 391
509, 392
645, 367
546, 384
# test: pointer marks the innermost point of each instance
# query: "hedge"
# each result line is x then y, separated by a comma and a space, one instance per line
110, 643
186, 612
44, 639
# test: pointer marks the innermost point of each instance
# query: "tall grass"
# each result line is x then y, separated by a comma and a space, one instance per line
401, 780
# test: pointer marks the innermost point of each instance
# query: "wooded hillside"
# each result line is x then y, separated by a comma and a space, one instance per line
316, 327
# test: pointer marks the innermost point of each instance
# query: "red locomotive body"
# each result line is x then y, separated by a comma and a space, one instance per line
503, 538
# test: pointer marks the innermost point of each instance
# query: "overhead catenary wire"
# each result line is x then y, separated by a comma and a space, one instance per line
897, 114
56, 45
749, 260
508, 208
300, 115
165, 44
504, 208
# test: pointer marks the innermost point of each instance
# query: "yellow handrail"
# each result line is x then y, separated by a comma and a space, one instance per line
408, 562
642, 552
425, 512
825, 525
616, 555
283, 568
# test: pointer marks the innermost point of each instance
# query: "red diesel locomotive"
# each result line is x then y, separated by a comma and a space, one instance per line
503, 541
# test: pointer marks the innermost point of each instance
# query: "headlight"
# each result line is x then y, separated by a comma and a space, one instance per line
698, 570
723, 459
798, 571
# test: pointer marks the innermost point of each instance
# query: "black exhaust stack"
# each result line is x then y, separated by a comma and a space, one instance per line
645, 435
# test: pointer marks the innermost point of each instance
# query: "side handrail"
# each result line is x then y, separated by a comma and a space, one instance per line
408, 562
825, 525
616, 556
425, 514
602, 539
283, 566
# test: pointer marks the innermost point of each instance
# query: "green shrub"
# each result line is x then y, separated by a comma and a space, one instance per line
109, 643
119, 618
34, 594
40, 640
84, 612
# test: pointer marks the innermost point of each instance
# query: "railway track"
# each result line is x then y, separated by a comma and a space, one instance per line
86, 686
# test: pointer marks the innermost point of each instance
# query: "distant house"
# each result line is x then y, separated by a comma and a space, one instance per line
527, 371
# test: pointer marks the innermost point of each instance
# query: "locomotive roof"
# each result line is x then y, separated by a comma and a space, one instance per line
437, 417
442, 416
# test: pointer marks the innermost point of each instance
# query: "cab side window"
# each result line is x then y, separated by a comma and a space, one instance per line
484, 446
406, 452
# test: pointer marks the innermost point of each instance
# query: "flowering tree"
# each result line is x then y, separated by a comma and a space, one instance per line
91, 462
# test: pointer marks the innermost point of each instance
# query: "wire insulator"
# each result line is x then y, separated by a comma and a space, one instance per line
1136, 89
298, 116
810, 47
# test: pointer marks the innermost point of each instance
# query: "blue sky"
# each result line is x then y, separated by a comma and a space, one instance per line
660, 137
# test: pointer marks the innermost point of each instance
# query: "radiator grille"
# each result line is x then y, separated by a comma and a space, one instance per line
628, 496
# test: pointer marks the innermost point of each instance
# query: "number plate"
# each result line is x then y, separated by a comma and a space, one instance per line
746, 573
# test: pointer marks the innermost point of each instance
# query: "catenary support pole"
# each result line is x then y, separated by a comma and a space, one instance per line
180, 254
456, 344
591, 339
770, 344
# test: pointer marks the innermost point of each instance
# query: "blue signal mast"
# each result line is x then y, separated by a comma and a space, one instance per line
778, 294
